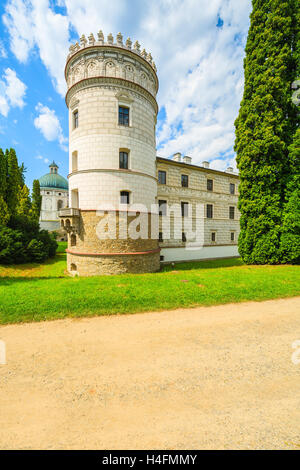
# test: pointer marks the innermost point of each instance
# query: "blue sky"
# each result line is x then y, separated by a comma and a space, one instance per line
198, 47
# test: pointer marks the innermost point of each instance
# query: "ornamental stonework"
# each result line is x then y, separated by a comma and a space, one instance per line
115, 60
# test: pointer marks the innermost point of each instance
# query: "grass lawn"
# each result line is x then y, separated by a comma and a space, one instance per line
34, 292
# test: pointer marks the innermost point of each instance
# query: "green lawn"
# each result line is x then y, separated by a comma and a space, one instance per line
42, 292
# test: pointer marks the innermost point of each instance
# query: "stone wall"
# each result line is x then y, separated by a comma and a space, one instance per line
87, 249
112, 264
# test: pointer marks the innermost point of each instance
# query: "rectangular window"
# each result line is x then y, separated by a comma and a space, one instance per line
210, 185
231, 212
209, 211
160, 237
162, 207
184, 181
123, 160
74, 161
123, 116
232, 236
75, 119
232, 188
213, 236
124, 197
183, 237
184, 209
162, 177
74, 199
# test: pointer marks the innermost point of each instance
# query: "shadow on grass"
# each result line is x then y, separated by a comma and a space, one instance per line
9, 280
60, 256
209, 264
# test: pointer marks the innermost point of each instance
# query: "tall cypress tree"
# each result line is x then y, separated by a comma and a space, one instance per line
24, 206
265, 128
3, 174
4, 214
14, 181
36, 200
290, 239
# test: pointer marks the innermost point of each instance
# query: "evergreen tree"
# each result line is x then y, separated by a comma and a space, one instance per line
22, 170
3, 174
290, 239
265, 128
36, 200
24, 206
4, 214
14, 181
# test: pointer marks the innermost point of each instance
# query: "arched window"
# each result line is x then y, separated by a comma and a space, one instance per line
60, 204
73, 240
73, 267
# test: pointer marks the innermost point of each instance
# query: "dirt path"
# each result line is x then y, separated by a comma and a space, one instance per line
218, 377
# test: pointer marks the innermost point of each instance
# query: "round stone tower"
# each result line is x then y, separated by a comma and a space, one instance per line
112, 105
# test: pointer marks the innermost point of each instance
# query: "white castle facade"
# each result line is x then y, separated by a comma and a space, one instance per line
111, 98
55, 196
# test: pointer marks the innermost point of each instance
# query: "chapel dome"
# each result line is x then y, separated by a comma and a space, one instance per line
53, 179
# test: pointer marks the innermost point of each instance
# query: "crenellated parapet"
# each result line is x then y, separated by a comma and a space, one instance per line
94, 59
91, 41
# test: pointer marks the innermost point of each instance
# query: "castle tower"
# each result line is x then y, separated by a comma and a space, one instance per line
112, 105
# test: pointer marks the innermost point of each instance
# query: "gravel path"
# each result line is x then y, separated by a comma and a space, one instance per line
219, 377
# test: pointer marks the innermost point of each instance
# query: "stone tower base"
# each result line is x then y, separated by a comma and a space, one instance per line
96, 265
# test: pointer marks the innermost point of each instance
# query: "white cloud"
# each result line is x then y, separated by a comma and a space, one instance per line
199, 65
12, 91
19, 24
45, 160
33, 24
48, 124
3, 52
4, 106
15, 89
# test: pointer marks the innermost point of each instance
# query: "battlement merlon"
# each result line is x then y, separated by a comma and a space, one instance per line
91, 41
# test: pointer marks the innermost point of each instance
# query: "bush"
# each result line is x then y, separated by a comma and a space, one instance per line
49, 241
24, 243
12, 249
36, 251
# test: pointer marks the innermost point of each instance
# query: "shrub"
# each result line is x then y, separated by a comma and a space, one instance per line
12, 248
29, 244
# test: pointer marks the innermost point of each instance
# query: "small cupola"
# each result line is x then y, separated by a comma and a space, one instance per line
53, 168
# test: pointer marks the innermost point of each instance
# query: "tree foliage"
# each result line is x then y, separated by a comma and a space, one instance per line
36, 199
265, 128
21, 240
